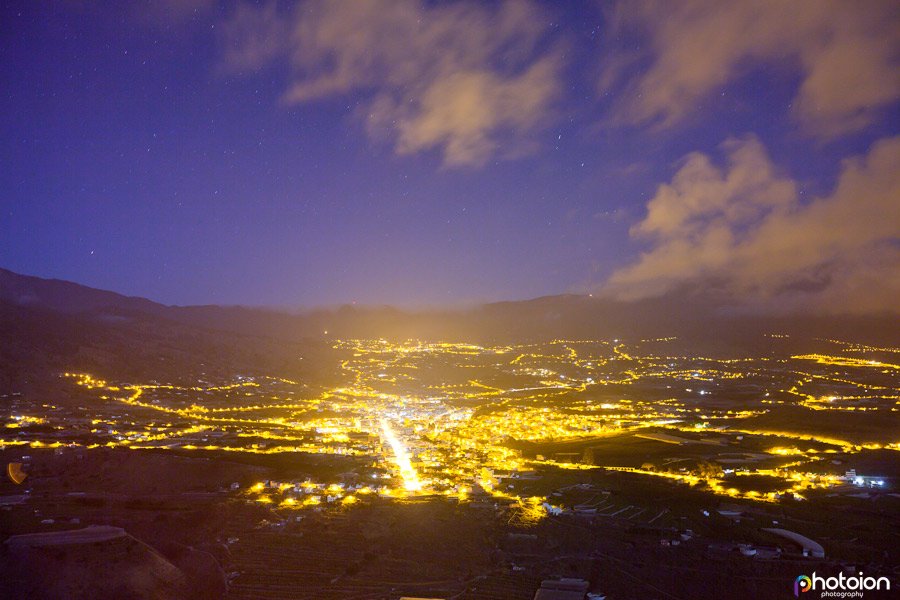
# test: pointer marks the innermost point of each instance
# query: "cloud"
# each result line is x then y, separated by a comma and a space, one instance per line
743, 228
847, 55
253, 36
470, 80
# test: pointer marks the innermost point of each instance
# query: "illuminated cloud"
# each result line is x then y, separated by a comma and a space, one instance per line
743, 228
469, 80
254, 36
846, 55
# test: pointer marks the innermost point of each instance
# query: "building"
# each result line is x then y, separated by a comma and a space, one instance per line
810, 547
562, 589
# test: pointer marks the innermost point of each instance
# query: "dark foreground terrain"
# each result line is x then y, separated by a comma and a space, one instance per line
639, 539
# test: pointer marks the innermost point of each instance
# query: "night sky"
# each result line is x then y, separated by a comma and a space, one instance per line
445, 153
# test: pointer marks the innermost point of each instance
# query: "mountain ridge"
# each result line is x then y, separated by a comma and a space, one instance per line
571, 316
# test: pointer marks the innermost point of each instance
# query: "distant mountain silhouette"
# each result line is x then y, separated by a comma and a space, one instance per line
48, 326
67, 297
75, 299
699, 318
